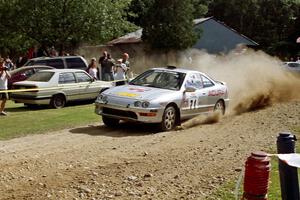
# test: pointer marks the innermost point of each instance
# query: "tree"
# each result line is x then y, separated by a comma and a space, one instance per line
266, 21
200, 8
168, 25
66, 22
137, 10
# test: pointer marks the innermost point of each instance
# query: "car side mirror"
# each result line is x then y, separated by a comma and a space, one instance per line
190, 89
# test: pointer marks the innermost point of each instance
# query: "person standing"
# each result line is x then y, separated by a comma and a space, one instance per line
120, 72
92, 69
101, 60
9, 64
107, 68
125, 60
4, 76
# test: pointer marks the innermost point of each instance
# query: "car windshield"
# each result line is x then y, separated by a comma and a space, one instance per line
160, 79
41, 76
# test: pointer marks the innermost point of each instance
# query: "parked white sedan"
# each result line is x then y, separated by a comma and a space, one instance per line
55, 87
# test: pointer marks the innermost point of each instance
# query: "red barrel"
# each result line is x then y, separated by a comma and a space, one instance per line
257, 172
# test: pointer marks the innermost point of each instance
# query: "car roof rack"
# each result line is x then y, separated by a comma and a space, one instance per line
171, 67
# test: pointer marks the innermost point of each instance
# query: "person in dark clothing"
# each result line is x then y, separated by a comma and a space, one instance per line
101, 59
107, 68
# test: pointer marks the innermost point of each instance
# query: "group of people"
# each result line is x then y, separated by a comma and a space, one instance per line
109, 69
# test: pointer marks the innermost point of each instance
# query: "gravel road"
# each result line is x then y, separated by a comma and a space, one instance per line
134, 162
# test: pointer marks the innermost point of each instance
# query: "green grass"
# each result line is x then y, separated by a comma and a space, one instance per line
226, 191
23, 121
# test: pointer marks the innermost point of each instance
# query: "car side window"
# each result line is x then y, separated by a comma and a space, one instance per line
29, 72
83, 77
37, 62
207, 82
195, 81
56, 63
75, 63
67, 77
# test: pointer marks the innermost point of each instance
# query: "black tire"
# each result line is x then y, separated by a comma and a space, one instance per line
110, 122
58, 101
169, 119
219, 106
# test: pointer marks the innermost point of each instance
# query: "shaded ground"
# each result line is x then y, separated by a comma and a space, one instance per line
130, 162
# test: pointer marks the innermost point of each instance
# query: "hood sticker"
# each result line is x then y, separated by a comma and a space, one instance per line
127, 94
140, 89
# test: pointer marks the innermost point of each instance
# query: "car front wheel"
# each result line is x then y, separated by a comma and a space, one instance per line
110, 122
169, 119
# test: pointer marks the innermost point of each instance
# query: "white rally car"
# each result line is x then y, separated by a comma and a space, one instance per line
164, 96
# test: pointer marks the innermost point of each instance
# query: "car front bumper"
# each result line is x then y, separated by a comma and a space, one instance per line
145, 115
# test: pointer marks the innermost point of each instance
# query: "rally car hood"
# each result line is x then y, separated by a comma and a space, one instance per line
138, 92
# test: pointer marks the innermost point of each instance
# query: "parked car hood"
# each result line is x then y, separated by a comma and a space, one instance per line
138, 92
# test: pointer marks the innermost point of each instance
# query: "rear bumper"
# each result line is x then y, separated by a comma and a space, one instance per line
145, 115
30, 99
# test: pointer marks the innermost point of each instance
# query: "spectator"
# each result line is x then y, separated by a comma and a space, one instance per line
92, 69
107, 68
8, 64
53, 52
4, 76
120, 72
101, 59
125, 60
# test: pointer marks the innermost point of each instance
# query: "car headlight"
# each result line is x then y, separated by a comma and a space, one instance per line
102, 98
137, 104
145, 104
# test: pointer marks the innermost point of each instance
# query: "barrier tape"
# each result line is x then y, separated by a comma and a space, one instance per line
52, 88
291, 159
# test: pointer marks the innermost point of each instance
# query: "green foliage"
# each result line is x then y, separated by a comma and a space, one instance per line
137, 10
200, 8
271, 23
64, 22
168, 25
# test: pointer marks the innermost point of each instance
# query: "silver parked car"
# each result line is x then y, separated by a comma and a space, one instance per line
292, 66
164, 96
58, 86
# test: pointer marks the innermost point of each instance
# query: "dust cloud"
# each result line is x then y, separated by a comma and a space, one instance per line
201, 119
254, 78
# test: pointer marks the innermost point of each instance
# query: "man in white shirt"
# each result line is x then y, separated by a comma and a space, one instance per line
4, 76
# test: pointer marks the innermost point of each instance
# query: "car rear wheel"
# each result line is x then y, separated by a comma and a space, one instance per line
169, 119
220, 107
58, 101
110, 122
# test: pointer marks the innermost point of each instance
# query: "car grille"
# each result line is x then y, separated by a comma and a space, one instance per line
120, 113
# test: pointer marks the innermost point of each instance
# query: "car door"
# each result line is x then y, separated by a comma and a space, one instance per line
194, 102
89, 88
69, 87
213, 92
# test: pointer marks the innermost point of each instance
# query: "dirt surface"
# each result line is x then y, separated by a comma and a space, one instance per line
132, 162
